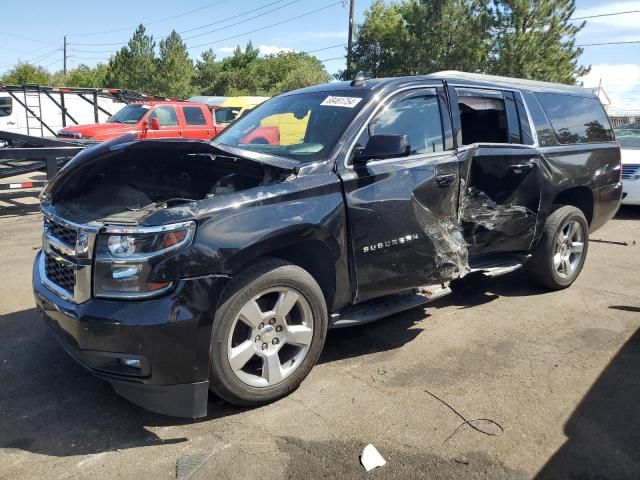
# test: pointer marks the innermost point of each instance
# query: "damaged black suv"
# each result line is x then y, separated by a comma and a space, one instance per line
175, 267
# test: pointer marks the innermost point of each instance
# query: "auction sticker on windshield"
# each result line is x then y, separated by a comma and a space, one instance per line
348, 102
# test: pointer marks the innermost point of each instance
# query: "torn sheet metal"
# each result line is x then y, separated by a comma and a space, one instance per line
450, 253
484, 222
499, 199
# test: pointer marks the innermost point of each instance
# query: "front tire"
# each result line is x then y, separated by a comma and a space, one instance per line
268, 333
558, 258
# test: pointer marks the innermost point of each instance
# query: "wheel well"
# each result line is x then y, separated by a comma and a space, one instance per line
315, 257
579, 197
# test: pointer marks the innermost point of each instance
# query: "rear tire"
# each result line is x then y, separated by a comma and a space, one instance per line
268, 333
559, 256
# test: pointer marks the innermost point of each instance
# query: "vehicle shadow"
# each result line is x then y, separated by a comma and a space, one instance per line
628, 212
51, 405
603, 432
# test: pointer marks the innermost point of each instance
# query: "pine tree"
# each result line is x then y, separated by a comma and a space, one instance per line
536, 39
206, 75
133, 67
174, 68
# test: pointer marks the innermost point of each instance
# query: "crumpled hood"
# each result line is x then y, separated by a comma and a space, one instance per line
103, 155
100, 131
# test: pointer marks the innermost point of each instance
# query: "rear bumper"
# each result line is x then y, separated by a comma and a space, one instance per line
169, 338
631, 192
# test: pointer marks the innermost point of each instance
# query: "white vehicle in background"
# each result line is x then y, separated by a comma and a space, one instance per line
42, 111
628, 136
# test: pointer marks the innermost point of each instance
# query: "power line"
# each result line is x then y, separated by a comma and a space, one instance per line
267, 26
22, 37
607, 43
325, 48
202, 26
231, 17
189, 12
604, 15
334, 58
241, 21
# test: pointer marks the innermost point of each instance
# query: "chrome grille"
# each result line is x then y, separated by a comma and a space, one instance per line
66, 235
629, 171
66, 260
59, 273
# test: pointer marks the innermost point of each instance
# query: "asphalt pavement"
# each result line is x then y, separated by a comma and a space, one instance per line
499, 380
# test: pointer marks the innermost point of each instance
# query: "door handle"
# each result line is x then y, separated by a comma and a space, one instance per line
445, 180
521, 167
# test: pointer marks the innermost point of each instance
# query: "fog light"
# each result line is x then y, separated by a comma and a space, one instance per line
131, 363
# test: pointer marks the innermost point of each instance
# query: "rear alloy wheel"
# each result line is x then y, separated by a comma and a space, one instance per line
559, 256
267, 334
569, 248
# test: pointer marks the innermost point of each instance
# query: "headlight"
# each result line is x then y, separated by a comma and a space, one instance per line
123, 255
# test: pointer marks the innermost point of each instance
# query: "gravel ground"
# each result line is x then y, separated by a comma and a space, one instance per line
549, 381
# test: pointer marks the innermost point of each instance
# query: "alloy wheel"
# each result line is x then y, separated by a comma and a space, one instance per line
568, 249
270, 337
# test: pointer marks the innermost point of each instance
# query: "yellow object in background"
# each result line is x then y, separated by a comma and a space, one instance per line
292, 129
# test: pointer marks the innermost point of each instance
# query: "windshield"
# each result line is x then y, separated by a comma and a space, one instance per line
131, 114
628, 137
304, 126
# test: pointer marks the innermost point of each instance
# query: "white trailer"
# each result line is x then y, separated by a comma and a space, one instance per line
41, 111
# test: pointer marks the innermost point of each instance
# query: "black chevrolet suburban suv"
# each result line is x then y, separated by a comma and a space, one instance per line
175, 267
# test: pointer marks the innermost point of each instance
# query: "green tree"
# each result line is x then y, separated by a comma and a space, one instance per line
26, 73
206, 75
536, 39
287, 71
134, 66
521, 38
238, 71
174, 68
83, 76
382, 43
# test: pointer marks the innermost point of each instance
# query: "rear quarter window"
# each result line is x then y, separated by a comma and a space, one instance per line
194, 116
576, 119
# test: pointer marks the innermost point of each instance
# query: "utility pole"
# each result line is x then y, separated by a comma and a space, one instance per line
64, 60
350, 40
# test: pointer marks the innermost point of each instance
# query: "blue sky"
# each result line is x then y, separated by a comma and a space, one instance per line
36, 34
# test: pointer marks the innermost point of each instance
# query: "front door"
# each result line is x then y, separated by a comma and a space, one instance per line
168, 120
402, 211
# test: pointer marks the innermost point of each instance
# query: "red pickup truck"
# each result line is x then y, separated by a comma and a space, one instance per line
162, 119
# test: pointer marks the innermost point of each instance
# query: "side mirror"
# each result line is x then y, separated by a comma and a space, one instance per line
155, 124
383, 146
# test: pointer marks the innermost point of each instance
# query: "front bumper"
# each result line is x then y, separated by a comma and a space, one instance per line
631, 192
169, 336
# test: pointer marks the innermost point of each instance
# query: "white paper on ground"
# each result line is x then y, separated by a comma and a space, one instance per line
371, 458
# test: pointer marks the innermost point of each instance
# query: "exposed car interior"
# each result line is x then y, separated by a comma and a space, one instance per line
483, 118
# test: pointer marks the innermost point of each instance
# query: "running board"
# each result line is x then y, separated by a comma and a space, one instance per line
497, 269
379, 308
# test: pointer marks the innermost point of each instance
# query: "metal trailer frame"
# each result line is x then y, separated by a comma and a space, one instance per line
31, 101
26, 153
